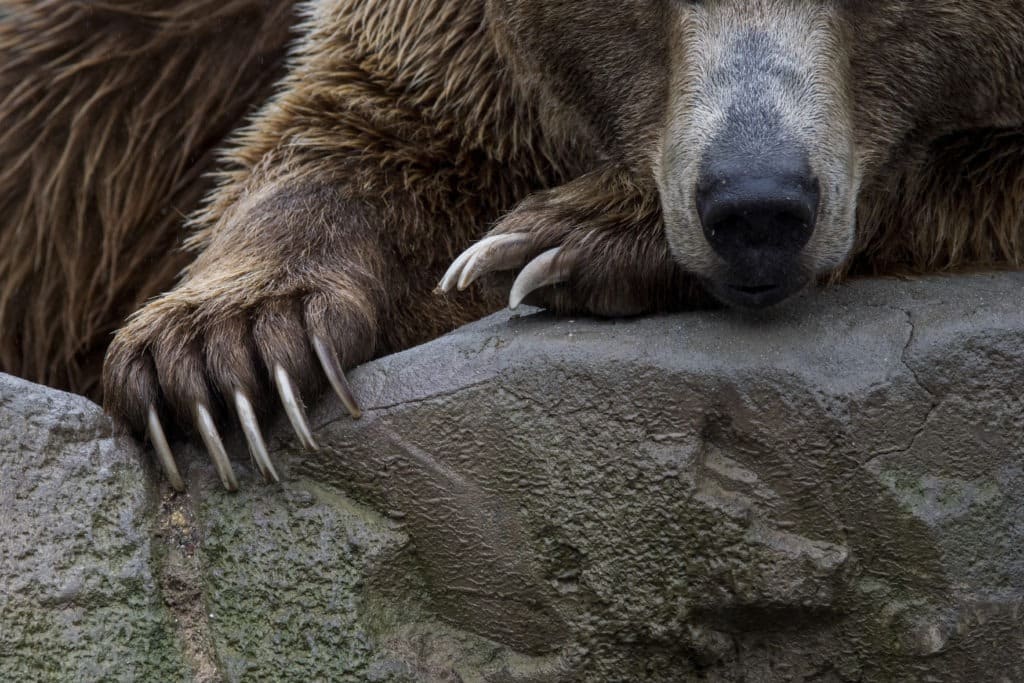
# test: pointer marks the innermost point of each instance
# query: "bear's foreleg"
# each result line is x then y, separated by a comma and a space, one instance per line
383, 155
303, 275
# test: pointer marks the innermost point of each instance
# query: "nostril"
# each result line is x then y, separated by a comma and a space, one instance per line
738, 223
741, 222
742, 213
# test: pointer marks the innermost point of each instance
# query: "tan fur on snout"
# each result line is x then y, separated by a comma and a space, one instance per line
781, 56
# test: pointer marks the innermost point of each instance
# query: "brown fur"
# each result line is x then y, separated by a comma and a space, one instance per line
110, 112
401, 130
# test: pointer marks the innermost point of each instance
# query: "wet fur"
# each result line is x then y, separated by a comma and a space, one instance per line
399, 133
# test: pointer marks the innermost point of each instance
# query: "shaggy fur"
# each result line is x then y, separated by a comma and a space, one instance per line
402, 129
391, 145
110, 113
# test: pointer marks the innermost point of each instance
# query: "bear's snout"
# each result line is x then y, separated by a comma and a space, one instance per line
758, 215
756, 171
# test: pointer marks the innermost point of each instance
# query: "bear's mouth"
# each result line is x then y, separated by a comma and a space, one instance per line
758, 293
754, 290
754, 296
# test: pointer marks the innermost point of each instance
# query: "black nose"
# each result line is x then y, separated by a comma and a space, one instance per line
750, 208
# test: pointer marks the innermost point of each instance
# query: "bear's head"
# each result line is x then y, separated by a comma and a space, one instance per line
760, 121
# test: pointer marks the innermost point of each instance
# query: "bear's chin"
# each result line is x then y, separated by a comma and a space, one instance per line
752, 294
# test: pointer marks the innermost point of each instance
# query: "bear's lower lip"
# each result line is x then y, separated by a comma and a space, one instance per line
759, 295
758, 278
755, 296
754, 290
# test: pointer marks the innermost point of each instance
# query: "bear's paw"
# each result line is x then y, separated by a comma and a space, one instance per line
594, 246
211, 350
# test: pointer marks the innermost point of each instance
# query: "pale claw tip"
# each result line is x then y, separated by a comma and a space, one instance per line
292, 408
469, 274
497, 252
451, 276
542, 271
336, 377
163, 450
215, 447
253, 436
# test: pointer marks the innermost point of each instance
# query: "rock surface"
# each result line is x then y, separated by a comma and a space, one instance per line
834, 492
79, 598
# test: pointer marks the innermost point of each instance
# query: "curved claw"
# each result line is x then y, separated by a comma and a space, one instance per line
451, 276
214, 446
547, 269
502, 254
292, 408
336, 376
163, 450
251, 429
497, 252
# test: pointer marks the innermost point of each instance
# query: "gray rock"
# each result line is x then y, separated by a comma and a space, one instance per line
79, 597
833, 492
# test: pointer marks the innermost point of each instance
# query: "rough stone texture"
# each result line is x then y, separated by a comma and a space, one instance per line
78, 595
282, 573
834, 492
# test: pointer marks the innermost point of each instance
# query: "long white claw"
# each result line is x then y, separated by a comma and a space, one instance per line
251, 429
214, 446
292, 408
336, 376
542, 271
451, 276
484, 253
506, 252
163, 450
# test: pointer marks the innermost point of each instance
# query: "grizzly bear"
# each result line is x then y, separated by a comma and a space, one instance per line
331, 161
